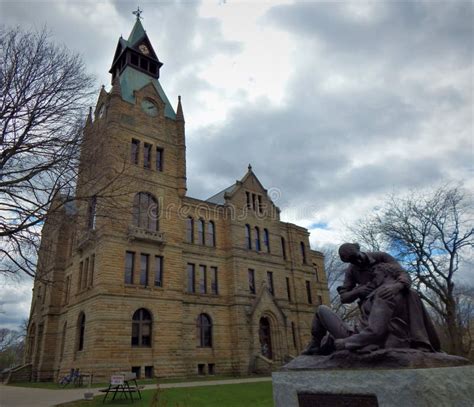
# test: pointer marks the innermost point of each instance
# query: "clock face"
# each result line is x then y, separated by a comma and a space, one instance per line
149, 108
144, 49
101, 111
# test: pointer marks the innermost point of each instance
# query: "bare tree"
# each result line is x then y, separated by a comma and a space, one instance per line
8, 337
335, 270
431, 234
44, 90
11, 348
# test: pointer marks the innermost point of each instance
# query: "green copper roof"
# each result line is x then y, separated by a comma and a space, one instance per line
137, 32
132, 80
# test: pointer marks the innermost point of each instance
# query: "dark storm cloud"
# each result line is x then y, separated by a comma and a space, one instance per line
312, 147
407, 30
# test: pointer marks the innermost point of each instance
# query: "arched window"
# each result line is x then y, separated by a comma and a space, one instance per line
257, 239
81, 329
145, 211
92, 213
190, 230
141, 328
248, 237
204, 328
303, 252
283, 248
266, 240
201, 231
63, 341
211, 234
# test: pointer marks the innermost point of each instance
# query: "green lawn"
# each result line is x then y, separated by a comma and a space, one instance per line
226, 395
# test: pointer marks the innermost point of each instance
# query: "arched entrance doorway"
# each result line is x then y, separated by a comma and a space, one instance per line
265, 338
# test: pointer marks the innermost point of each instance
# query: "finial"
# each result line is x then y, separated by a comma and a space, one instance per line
138, 13
179, 111
89, 117
250, 167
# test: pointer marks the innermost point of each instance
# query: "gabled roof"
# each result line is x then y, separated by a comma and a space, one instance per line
219, 198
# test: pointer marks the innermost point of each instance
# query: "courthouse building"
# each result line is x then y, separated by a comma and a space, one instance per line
134, 275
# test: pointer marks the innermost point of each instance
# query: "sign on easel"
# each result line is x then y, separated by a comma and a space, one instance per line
117, 380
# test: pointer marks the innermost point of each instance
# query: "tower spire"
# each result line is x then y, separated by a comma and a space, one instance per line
179, 111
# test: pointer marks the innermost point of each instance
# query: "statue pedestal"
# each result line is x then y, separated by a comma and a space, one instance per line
300, 385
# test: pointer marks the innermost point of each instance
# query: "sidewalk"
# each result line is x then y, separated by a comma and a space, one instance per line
11, 396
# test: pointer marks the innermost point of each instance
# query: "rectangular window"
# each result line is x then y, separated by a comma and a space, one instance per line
293, 333
260, 205
136, 370
320, 300
201, 369
148, 372
91, 272
251, 277
249, 204
211, 368
66, 289
191, 278
144, 64
135, 151
85, 274
254, 202
129, 267
79, 282
248, 236
159, 159
303, 253
288, 290
266, 240
308, 292
202, 279
158, 271
144, 258
134, 59
214, 281
270, 282
92, 216
146, 155
283, 248
190, 230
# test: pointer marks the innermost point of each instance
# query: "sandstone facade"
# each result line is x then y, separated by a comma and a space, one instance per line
131, 237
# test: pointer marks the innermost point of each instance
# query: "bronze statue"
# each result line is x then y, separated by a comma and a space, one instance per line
391, 313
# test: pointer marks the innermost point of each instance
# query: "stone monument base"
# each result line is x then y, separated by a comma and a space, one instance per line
384, 378
440, 387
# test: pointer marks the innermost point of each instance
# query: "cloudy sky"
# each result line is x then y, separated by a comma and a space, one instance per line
333, 103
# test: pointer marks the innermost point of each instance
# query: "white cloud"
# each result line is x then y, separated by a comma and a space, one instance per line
334, 103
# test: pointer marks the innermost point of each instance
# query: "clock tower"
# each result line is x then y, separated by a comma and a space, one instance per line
136, 52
